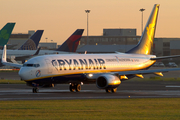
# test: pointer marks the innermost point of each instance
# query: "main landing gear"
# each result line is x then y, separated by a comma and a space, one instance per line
111, 90
74, 87
35, 90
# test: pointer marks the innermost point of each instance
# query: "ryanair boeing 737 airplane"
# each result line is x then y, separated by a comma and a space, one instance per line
106, 70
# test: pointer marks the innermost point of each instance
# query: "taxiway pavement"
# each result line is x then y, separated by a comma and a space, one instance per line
127, 89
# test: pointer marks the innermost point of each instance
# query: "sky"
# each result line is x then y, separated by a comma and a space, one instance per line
60, 18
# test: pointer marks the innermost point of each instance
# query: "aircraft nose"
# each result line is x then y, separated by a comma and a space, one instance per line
22, 74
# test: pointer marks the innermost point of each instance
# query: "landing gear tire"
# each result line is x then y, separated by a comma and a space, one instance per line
78, 87
114, 90
35, 90
108, 90
111, 90
72, 87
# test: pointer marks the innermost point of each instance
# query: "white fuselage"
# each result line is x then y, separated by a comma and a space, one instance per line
49, 66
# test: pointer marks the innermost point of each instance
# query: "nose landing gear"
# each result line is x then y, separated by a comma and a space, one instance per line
35, 90
35, 87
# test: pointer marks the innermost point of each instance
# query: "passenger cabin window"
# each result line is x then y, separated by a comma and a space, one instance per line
31, 65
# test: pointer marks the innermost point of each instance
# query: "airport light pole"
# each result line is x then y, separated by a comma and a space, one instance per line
87, 11
46, 39
142, 9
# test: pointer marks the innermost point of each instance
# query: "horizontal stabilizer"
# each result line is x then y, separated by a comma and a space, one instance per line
165, 57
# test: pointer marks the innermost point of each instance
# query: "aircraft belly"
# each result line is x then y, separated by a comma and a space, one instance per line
60, 79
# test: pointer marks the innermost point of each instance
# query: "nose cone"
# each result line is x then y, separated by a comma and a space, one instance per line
23, 74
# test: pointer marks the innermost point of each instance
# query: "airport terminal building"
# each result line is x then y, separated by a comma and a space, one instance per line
17, 39
122, 40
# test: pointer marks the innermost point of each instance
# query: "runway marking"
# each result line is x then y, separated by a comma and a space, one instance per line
172, 86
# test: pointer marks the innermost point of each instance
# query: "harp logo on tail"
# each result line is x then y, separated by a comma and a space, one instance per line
4, 34
150, 31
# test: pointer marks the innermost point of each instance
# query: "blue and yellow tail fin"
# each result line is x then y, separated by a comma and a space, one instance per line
5, 33
146, 41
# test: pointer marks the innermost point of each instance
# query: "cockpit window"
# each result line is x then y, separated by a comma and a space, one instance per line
36, 65
31, 65
28, 65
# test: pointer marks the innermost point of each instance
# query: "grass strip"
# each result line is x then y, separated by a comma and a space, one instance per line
9, 70
138, 109
12, 82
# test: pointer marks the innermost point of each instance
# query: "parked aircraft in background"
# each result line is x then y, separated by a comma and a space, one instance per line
106, 70
69, 46
30, 44
33, 42
5, 33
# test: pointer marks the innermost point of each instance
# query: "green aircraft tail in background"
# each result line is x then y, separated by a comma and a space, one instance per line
5, 33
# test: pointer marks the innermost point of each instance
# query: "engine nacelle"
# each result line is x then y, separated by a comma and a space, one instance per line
107, 81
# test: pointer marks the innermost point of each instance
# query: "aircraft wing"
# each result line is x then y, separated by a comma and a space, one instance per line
12, 64
25, 57
147, 71
4, 62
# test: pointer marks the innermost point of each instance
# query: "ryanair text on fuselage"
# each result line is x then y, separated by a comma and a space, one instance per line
73, 64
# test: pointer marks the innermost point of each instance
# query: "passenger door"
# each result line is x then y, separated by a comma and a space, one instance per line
48, 63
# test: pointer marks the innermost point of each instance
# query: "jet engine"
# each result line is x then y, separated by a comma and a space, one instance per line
107, 81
